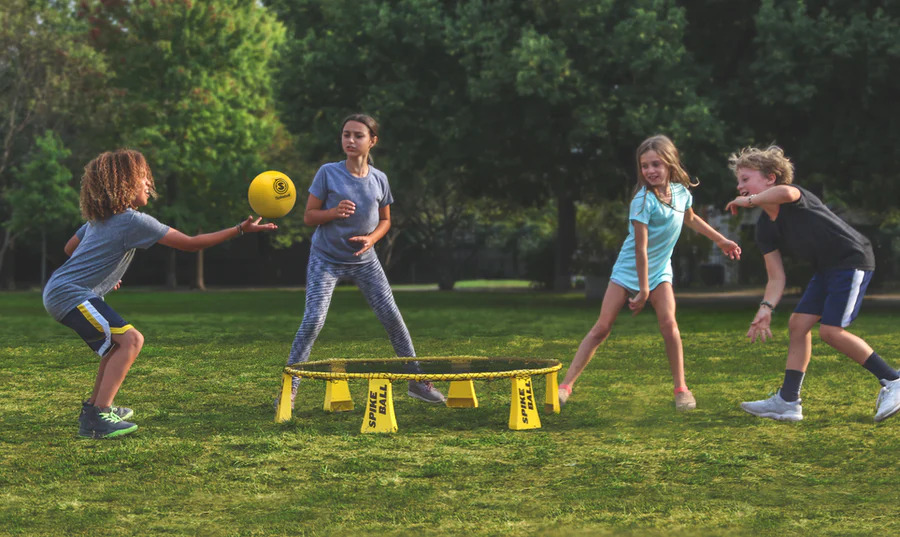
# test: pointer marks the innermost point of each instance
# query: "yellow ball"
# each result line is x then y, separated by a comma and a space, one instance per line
272, 194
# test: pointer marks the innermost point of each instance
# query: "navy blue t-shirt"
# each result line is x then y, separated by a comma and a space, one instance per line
807, 230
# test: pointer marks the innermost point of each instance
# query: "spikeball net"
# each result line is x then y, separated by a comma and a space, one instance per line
461, 371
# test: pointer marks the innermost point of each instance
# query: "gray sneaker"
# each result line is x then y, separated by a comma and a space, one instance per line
775, 408
103, 423
425, 391
122, 411
888, 402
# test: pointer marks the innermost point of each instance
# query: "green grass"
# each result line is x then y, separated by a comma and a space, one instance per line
209, 459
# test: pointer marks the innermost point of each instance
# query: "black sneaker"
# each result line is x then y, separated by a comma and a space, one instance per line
103, 423
122, 411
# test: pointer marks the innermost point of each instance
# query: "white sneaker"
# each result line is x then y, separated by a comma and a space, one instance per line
777, 408
888, 402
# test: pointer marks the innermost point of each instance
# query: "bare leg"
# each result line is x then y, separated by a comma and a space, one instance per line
800, 346
663, 300
613, 301
117, 363
100, 371
845, 342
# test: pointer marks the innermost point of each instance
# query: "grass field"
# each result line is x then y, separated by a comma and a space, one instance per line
209, 460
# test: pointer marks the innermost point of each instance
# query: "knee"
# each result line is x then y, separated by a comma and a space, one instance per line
669, 328
312, 324
598, 334
830, 334
131, 340
797, 326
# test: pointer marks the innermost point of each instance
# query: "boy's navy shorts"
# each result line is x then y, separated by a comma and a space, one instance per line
96, 322
835, 295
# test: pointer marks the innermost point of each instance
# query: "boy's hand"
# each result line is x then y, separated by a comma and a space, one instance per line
117, 285
740, 201
253, 226
759, 328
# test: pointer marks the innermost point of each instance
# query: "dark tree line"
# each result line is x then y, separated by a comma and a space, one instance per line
491, 110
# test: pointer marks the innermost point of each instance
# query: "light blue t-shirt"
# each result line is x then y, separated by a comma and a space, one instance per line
333, 184
663, 229
103, 254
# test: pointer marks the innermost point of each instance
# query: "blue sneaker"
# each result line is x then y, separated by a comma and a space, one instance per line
103, 423
122, 411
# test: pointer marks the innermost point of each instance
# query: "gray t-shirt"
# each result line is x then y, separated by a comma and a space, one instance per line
333, 184
103, 254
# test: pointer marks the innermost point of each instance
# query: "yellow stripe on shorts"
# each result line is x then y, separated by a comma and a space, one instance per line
122, 330
87, 315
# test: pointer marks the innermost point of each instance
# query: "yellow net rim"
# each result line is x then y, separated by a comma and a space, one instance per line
298, 371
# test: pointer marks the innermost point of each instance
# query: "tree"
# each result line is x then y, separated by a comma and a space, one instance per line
520, 102
50, 78
42, 198
195, 82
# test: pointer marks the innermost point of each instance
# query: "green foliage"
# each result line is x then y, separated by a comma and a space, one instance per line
49, 76
208, 458
43, 197
195, 81
602, 228
828, 93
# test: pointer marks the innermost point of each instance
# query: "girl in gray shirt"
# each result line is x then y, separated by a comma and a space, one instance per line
350, 205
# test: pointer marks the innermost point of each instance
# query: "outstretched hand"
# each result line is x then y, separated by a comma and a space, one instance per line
253, 226
736, 203
730, 248
759, 328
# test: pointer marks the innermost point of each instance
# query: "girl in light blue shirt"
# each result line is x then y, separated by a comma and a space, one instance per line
643, 271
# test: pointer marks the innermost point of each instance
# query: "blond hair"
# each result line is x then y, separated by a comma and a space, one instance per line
111, 183
770, 160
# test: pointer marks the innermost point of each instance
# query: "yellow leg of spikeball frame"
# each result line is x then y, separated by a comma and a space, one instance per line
551, 400
522, 408
283, 412
379, 417
337, 396
462, 394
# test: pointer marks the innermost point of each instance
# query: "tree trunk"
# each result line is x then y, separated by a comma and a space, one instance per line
199, 281
10, 283
171, 270
43, 258
7, 240
565, 242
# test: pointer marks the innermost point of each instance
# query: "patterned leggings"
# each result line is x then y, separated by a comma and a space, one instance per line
321, 278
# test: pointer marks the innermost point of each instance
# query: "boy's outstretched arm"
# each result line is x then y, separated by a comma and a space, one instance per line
180, 241
759, 327
728, 247
776, 195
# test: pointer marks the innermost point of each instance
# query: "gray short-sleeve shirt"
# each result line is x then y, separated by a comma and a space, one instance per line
332, 184
103, 254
